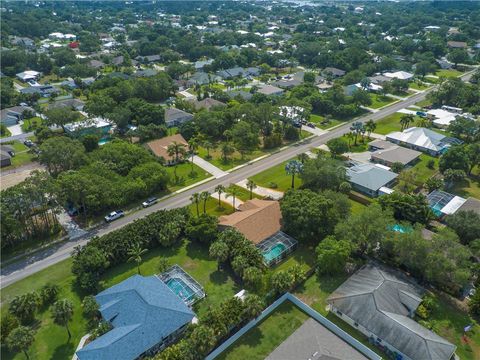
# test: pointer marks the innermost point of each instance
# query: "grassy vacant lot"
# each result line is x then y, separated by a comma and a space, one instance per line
424, 103
379, 101
185, 176
233, 160
389, 124
276, 176
317, 120
51, 340
448, 73
265, 337
31, 124
418, 85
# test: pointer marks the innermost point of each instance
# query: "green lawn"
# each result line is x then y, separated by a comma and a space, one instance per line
212, 207
448, 73
362, 144
276, 175
51, 339
423, 171
304, 256
469, 187
242, 193
379, 101
448, 321
31, 124
356, 207
6, 133
185, 176
234, 160
424, 103
260, 341
418, 85
22, 155
317, 120
389, 124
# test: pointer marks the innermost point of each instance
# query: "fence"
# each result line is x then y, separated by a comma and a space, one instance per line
310, 312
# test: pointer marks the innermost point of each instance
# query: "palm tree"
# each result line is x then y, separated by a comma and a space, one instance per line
195, 199
424, 122
205, 195
192, 147
357, 127
219, 251
254, 305
349, 137
405, 120
251, 185
135, 253
227, 149
292, 168
303, 158
365, 83
220, 189
208, 145
62, 313
176, 149
233, 192
370, 126
20, 339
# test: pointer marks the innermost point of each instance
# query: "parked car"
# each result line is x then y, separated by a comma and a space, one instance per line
421, 113
149, 202
114, 215
28, 143
312, 125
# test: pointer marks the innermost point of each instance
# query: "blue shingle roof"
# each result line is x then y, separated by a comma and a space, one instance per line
142, 311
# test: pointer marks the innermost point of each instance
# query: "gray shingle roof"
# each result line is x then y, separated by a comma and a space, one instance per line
381, 300
370, 176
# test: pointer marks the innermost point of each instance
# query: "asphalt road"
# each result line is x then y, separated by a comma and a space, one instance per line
54, 254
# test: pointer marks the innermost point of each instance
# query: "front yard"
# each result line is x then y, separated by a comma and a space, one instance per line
448, 73
22, 155
276, 178
184, 175
232, 161
318, 119
379, 101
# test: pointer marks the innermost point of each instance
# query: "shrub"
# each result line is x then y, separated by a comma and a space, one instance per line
90, 307
49, 294
9, 323
25, 306
272, 185
431, 164
422, 312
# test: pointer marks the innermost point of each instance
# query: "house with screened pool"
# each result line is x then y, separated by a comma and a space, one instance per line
260, 221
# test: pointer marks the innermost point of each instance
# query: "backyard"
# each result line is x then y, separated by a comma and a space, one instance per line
51, 340
423, 171
468, 187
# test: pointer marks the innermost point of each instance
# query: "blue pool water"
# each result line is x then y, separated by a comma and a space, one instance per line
274, 252
179, 287
437, 210
401, 229
103, 141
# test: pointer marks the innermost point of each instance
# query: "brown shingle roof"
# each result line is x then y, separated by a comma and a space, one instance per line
207, 103
256, 220
159, 146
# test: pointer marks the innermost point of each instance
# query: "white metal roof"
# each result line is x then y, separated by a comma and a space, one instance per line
453, 205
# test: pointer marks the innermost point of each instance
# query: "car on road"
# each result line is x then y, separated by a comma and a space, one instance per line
114, 215
149, 202
28, 143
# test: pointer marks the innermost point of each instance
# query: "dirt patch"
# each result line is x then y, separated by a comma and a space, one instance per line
190, 264
14, 177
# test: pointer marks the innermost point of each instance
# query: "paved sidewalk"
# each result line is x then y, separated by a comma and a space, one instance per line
262, 191
212, 169
315, 131
228, 200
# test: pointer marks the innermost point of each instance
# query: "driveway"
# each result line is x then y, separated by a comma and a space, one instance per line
262, 191
15, 129
212, 169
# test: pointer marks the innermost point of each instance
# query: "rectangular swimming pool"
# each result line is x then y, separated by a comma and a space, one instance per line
274, 252
179, 287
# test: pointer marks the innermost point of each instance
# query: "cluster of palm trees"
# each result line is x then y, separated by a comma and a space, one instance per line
196, 198
359, 128
406, 120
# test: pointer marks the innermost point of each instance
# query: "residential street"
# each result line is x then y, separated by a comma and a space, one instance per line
41, 260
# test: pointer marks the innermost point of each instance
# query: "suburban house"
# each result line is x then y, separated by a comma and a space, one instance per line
441, 118
23, 42
387, 153
457, 44
379, 79
333, 72
97, 126
422, 139
145, 73
6, 154
159, 147
402, 75
96, 64
175, 117
13, 115
74, 104
260, 221
245, 95
238, 72
369, 179
199, 65
28, 75
202, 78
145, 315
270, 90
471, 204
41, 90
148, 58
380, 303
207, 103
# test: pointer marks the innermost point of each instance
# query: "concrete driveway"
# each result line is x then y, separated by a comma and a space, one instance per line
212, 169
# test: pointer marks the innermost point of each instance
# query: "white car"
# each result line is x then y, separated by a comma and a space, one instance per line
114, 215
149, 202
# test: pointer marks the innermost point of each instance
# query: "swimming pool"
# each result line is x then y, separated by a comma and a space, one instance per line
179, 287
274, 252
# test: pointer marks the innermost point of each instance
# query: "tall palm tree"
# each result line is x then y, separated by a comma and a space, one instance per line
293, 168
135, 255
405, 120
357, 127
21, 339
370, 126
349, 137
219, 189
208, 145
227, 149
233, 192
176, 149
251, 185
192, 147
62, 313
205, 195
195, 199
303, 158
